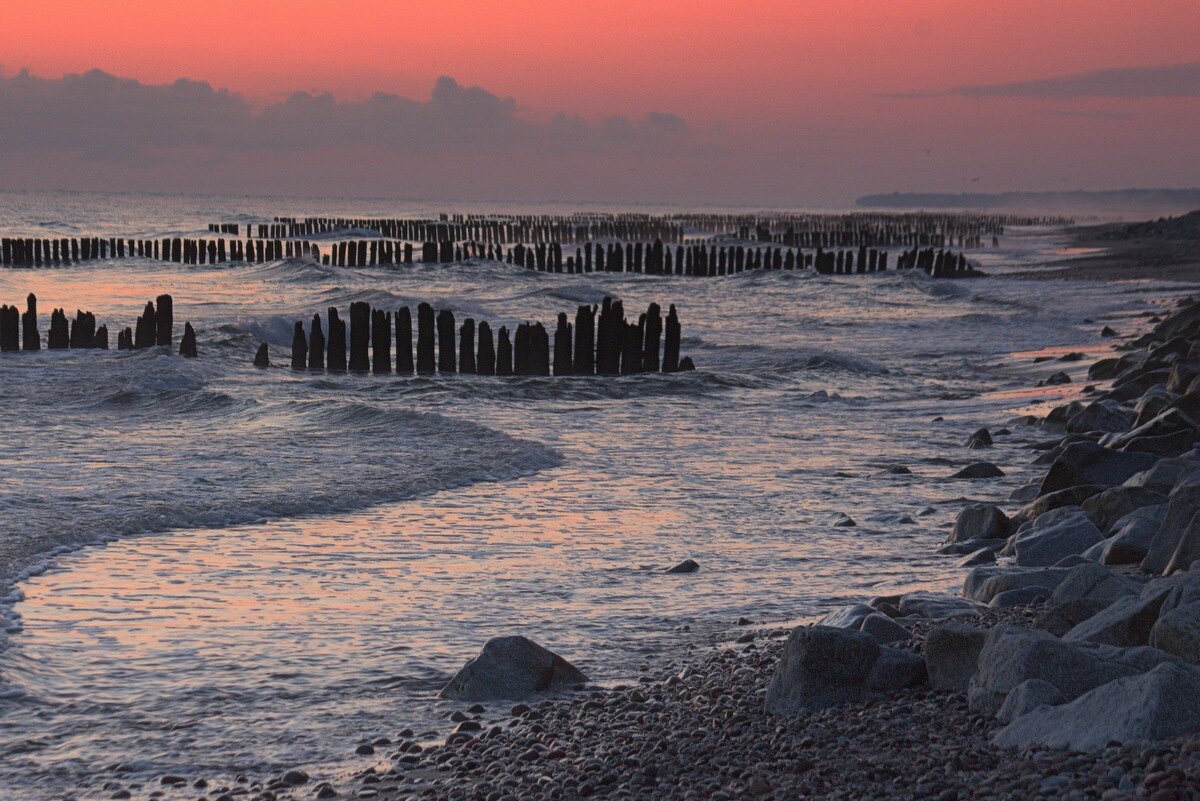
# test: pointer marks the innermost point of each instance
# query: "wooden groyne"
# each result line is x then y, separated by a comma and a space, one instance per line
154, 327
600, 341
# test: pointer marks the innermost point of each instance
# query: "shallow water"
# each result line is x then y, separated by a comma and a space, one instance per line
327, 550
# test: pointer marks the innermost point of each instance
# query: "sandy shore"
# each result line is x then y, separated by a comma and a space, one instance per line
1130, 253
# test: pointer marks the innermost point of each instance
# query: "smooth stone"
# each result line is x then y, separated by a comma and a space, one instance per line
1023, 596
883, 629
1126, 622
1094, 582
1026, 697
1178, 632
1166, 474
686, 566
951, 655
938, 606
1057, 378
1102, 415
843, 521
1182, 505
979, 470
983, 556
1072, 496
1131, 536
980, 521
1053, 535
511, 668
1106, 508
982, 438
1088, 463
850, 616
986, 582
971, 546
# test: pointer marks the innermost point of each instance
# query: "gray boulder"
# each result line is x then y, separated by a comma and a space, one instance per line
883, 629
1089, 463
1094, 582
1026, 697
938, 606
982, 438
896, 669
1125, 622
850, 616
1188, 550
1012, 655
1178, 632
1165, 474
1107, 507
511, 668
951, 654
822, 667
1182, 505
979, 470
1023, 596
1052, 536
1072, 496
980, 521
1131, 536
1102, 415
686, 566
1154, 705
983, 556
1058, 619
985, 583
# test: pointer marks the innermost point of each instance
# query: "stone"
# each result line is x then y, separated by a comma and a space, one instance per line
1188, 551
686, 566
821, 667
1152, 403
843, 521
1131, 536
1160, 703
1072, 496
1107, 507
1165, 474
1053, 535
937, 606
1011, 655
883, 629
980, 521
1094, 582
1103, 369
951, 654
982, 438
986, 582
511, 668
1182, 505
295, 777
895, 669
971, 546
850, 616
1058, 619
1125, 622
983, 556
1026, 697
979, 470
1057, 378
1088, 463
1102, 415
1178, 632
1023, 596
1172, 422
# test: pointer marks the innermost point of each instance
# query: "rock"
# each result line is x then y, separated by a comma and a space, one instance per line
262, 357
971, 546
937, 606
1058, 619
1094, 582
1166, 474
1052, 536
1026, 697
985, 583
1152, 403
1125, 622
822, 667
1171, 423
1103, 369
1102, 415
1182, 505
1130, 538
896, 669
951, 653
1072, 496
295, 777
1107, 507
979, 470
1163, 702
982, 438
1011, 655
1056, 378
1188, 551
1075, 559
1088, 463
511, 668
983, 556
1178, 632
980, 521
1023, 596
686, 566
883, 629
843, 521
850, 616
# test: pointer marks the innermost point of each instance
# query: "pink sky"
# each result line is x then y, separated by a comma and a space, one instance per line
813, 100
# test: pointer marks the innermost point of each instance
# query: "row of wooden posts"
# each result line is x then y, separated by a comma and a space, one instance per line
64, 252
599, 342
154, 327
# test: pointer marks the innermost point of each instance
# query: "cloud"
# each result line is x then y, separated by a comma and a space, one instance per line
1172, 80
97, 117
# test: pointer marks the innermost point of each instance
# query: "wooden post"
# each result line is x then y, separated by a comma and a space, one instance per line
504, 354
650, 361
563, 358
466, 347
539, 350
486, 361
101, 340
671, 348
631, 349
445, 325
164, 320
360, 336
30, 338
404, 351
337, 341
316, 345
187, 345
381, 341
585, 340
299, 347
262, 358
425, 339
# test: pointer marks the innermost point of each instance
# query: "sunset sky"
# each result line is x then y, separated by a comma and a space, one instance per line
755, 102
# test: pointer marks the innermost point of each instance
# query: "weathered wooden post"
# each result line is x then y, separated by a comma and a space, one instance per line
337, 341
262, 357
446, 359
631, 349
164, 320
504, 353
187, 345
299, 347
404, 350
563, 358
466, 347
425, 339
360, 336
381, 341
539, 350
650, 361
316, 345
585, 340
59, 336
671, 347
486, 361
101, 339
30, 338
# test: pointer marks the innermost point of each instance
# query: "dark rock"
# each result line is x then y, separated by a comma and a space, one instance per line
512, 667
980, 521
982, 438
951, 653
686, 566
1085, 463
979, 470
1057, 378
1178, 632
1130, 538
1055, 534
1106, 508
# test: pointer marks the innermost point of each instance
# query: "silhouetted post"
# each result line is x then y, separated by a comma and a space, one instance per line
337, 341
486, 362
504, 353
147, 328
585, 340
316, 345
671, 348
425, 338
653, 338
466, 347
381, 341
59, 336
262, 358
539, 350
445, 325
563, 360
101, 340
164, 320
360, 336
631, 349
187, 345
299, 347
30, 338
404, 351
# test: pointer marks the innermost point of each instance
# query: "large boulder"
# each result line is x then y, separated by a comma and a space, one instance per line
1107, 507
1089, 463
1072, 496
1131, 536
823, 666
938, 606
1026, 697
1012, 655
1154, 705
1054, 535
1173, 422
883, 629
979, 470
985, 583
511, 668
850, 616
1125, 622
1094, 582
1102, 415
1178, 632
1166, 473
1182, 505
1187, 552
980, 521
951, 654
1152, 403
1058, 619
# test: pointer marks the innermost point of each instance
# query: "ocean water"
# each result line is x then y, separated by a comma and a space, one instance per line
282, 566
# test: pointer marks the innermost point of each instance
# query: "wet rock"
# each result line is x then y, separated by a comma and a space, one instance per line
1056, 378
843, 521
1054, 535
883, 629
1026, 697
937, 606
1023, 596
985, 583
1106, 508
1072, 496
850, 616
262, 357
1178, 632
1163, 702
979, 470
686, 566
1125, 622
1088, 463
511, 668
295, 777
983, 556
1166, 474
982, 438
1102, 415
1094, 582
1131, 536
980, 521
951, 654
1182, 505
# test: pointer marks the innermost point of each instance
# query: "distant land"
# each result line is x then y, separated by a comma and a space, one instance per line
1107, 202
